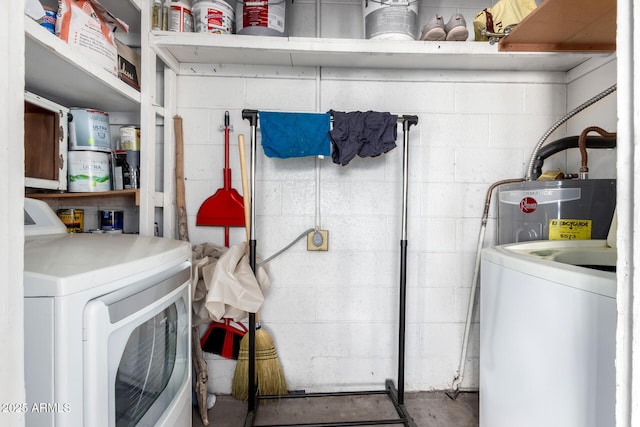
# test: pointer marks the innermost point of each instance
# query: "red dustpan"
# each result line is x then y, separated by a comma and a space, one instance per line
225, 208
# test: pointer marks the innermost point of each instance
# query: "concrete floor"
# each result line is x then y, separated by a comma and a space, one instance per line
428, 409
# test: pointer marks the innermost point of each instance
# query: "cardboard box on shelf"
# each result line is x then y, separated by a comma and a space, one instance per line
88, 27
128, 65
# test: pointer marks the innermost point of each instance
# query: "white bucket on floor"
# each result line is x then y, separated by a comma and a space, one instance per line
390, 19
220, 372
213, 16
261, 18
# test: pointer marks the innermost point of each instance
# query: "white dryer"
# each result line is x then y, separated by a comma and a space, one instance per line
107, 327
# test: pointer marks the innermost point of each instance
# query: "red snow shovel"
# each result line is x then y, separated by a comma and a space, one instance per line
225, 208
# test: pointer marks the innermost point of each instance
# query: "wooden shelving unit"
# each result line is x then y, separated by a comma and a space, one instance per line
565, 26
90, 198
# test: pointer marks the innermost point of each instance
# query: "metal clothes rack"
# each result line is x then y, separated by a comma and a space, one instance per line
396, 395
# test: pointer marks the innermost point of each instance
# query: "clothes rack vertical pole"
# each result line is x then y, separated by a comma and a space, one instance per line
396, 395
252, 116
406, 126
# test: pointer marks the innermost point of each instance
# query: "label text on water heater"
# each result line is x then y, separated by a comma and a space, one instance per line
569, 229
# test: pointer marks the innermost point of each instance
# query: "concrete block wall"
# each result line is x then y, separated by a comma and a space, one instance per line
334, 314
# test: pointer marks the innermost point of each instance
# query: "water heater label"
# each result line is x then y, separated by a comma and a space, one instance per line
541, 196
570, 229
528, 205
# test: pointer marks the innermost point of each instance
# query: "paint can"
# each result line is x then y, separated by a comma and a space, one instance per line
180, 17
89, 130
111, 219
88, 171
130, 138
73, 219
390, 19
261, 18
213, 16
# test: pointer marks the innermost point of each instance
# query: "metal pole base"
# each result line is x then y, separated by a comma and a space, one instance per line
404, 417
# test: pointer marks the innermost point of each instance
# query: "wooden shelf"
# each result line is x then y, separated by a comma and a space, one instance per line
202, 48
565, 26
100, 196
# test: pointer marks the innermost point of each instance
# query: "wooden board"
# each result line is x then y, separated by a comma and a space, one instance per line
565, 26
101, 197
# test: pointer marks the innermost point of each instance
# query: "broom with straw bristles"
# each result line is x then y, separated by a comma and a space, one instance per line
268, 373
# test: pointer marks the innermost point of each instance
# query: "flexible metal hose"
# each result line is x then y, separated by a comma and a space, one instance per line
455, 387
562, 120
562, 144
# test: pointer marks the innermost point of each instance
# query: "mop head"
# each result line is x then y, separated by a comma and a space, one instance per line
269, 374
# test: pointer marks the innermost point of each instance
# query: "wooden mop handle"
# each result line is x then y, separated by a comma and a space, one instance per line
245, 187
246, 198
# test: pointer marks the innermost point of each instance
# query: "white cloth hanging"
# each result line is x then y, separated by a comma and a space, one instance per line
223, 284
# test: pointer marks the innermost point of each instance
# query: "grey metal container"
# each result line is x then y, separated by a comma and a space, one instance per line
526, 209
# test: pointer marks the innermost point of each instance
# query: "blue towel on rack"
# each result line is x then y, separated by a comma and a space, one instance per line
287, 135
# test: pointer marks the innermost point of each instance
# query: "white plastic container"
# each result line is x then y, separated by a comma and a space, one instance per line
261, 18
213, 16
88, 171
180, 16
390, 19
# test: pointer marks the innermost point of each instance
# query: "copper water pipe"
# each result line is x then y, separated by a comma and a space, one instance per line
584, 169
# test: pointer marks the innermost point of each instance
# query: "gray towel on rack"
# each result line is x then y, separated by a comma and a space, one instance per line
366, 134
287, 135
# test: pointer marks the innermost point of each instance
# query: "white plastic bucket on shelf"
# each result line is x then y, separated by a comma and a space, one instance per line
390, 19
213, 16
261, 18
180, 17
88, 171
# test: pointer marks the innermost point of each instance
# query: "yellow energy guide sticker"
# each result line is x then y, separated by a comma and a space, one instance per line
570, 229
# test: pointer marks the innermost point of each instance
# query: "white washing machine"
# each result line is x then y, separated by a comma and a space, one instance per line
547, 334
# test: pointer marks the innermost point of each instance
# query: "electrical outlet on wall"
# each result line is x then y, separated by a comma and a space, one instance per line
318, 240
